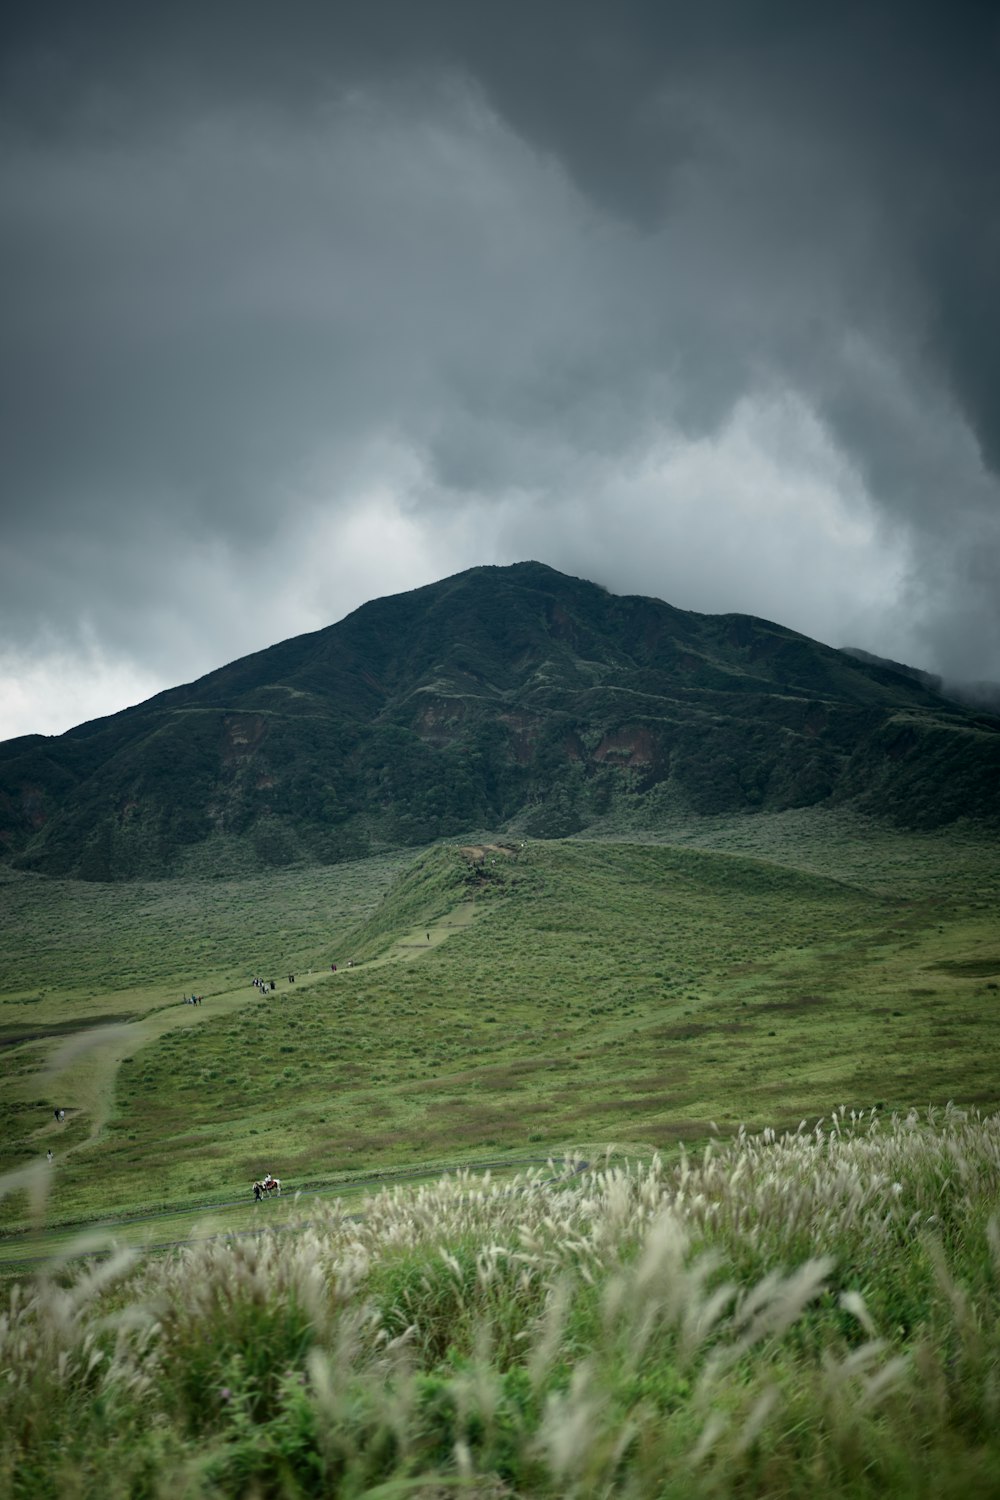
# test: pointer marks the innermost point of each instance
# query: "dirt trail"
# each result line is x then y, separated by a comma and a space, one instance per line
422, 938
82, 1066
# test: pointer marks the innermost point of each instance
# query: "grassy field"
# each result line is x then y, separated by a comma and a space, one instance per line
506, 1002
68, 947
801, 1315
798, 1313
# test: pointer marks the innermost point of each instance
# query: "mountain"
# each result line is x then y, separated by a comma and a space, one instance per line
502, 698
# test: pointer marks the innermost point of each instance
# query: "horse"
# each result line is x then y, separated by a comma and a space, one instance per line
269, 1185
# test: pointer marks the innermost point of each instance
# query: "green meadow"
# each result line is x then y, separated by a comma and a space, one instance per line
505, 1000
611, 1166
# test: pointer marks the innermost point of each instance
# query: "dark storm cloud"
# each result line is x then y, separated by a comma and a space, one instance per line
469, 270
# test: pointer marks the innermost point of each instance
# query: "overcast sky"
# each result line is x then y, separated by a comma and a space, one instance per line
308, 304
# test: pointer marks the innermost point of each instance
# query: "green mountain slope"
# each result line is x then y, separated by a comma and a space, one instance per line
502, 698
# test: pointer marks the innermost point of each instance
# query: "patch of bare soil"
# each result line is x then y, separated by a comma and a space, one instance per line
477, 853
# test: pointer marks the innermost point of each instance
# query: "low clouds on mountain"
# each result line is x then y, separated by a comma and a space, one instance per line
308, 304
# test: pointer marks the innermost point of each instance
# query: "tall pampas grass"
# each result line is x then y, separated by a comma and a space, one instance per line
815, 1312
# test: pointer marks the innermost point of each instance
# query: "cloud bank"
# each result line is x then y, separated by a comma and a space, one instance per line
307, 306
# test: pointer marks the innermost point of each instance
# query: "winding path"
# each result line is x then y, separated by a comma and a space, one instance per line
82, 1066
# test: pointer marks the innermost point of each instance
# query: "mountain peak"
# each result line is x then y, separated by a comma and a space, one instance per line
512, 697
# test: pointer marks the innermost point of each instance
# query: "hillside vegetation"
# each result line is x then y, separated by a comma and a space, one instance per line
513, 699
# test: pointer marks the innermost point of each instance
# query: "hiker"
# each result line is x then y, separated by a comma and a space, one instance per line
49, 1156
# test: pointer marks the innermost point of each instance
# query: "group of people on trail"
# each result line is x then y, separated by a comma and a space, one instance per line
191, 1000
266, 985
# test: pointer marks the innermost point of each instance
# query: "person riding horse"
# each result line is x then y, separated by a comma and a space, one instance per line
267, 1185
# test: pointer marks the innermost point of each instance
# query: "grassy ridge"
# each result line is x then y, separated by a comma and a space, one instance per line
602, 991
